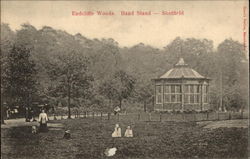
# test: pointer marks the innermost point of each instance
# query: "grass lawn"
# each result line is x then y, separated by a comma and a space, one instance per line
90, 138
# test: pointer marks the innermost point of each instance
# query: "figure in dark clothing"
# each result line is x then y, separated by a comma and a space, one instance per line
116, 110
66, 134
27, 114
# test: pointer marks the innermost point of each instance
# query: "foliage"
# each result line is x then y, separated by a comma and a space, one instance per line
7, 40
20, 77
119, 87
144, 93
74, 81
91, 68
232, 66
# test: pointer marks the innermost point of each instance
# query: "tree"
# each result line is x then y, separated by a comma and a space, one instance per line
197, 53
104, 58
72, 76
144, 92
20, 78
7, 39
232, 73
119, 87
108, 89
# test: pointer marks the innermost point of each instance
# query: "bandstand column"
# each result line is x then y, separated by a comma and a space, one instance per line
182, 96
201, 94
162, 94
154, 102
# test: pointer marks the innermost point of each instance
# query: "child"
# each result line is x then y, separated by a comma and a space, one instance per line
117, 132
128, 132
34, 129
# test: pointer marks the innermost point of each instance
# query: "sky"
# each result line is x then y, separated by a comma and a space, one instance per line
213, 20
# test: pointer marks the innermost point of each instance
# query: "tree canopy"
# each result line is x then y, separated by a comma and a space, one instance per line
75, 71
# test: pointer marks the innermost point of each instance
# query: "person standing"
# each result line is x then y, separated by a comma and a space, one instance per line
43, 119
8, 113
32, 114
27, 114
117, 110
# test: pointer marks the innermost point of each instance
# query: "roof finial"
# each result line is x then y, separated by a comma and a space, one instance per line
181, 62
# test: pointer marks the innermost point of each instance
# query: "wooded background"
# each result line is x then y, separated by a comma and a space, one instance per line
49, 66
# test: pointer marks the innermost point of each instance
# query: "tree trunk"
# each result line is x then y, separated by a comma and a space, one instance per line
2, 107
221, 91
145, 106
120, 104
69, 112
110, 103
2, 114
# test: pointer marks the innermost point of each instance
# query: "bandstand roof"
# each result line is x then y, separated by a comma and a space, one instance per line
181, 70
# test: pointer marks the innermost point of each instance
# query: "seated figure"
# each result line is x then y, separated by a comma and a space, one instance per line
34, 129
66, 134
128, 132
117, 131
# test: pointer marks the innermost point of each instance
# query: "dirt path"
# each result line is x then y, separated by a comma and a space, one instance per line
21, 122
225, 124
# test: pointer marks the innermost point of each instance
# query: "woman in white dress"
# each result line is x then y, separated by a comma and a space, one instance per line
128, 132
117, 131
43, 119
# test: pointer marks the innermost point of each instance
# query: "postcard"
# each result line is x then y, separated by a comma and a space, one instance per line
124, 79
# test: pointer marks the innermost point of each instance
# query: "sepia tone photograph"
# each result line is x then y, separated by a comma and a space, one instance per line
125, 79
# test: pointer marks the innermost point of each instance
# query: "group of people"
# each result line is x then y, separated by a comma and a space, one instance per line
10, 113
29, 114
43, 119
117, 132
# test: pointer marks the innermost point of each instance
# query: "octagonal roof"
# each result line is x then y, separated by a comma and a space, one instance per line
181, 70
